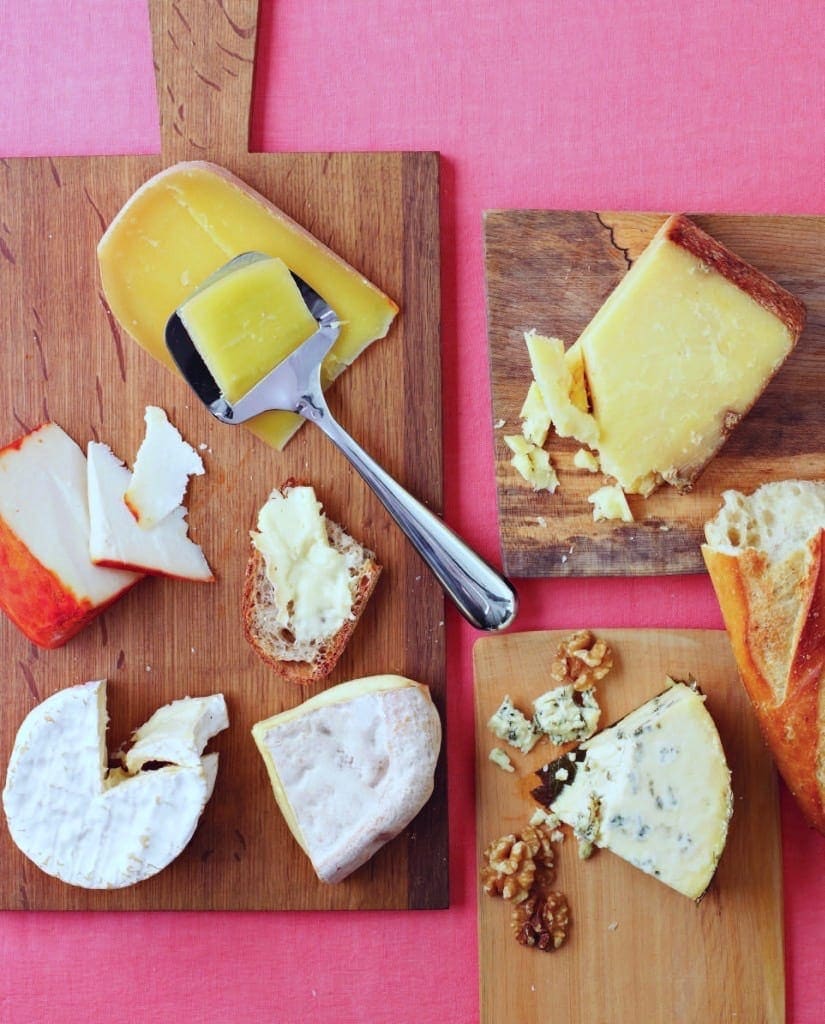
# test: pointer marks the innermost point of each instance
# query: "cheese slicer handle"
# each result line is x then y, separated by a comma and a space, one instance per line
483, 596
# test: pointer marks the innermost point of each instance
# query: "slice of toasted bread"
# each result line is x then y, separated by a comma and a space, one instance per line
309, 660
766, 557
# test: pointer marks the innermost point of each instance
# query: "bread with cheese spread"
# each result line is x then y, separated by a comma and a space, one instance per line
764, 553
305, 648
351, 767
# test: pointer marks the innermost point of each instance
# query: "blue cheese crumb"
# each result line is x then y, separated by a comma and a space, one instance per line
567, 715
510, 725
499, 757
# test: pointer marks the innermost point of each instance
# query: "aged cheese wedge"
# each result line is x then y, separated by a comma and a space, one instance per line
351, 767
191, 219
49, 586
163, 465
654, 788
679, 352
103, 828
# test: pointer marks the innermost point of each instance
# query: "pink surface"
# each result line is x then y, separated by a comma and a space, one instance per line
714, 106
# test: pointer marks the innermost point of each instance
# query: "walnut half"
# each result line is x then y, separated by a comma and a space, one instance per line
515, 862
542, 921
581, 659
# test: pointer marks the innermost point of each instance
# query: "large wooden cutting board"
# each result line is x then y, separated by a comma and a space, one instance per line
637, 951
551, 270
64, 358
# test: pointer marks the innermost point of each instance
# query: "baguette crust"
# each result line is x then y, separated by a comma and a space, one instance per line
680, 230
259, 594
774, 612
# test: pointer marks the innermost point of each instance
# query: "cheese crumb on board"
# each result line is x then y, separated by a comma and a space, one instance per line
499, 757
609, 502
584, 459
532, 463
510, 725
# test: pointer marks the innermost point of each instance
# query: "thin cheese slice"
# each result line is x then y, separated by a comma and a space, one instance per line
678, 353
654, 788
351, 767
191, 219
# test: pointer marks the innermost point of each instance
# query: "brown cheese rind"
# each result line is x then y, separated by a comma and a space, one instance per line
776, 300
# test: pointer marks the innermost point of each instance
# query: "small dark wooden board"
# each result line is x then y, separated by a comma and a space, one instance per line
552, 270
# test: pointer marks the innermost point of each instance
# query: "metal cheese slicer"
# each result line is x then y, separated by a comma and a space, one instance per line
482, 595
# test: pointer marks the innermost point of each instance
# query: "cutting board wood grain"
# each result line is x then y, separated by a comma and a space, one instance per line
66, 359
636, 950
552, 270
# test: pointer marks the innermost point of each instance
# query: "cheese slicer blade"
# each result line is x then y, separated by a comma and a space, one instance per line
483, 596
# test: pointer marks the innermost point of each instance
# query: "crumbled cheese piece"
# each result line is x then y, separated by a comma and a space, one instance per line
542, 817
535, 417
584, 459
510, 725
499, 757
557, 384
562, 774
532, 463
610, 503
567, 715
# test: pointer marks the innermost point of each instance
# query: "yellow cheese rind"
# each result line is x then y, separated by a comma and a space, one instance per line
675, 357
191, 219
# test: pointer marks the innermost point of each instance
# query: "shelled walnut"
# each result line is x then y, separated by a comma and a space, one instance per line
542, 921
581, 659
514, 863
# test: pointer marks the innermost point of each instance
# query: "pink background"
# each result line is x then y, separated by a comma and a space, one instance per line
715, 105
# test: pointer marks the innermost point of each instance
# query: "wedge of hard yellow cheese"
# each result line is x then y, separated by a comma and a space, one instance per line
675, 357
191, 219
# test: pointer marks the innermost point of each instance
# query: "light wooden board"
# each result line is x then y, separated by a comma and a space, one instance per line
637, 950
64, 358
552, 270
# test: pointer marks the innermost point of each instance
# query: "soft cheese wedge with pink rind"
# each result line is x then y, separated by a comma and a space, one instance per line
191, 219
49, 586
351, 767
99, 827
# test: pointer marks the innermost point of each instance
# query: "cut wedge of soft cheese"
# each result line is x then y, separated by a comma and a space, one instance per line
161, 472
191, 219
557, 383
246, 322
654, 788
115, 537
351, 767
313, 579
103, 828
677, 355
49, 586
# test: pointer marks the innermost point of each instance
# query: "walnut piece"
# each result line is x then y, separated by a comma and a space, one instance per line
542, 921
581, 659
514, 863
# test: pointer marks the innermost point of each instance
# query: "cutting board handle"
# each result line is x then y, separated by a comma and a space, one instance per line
204, 62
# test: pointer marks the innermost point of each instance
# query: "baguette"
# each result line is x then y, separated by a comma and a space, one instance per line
764, 554
310, 659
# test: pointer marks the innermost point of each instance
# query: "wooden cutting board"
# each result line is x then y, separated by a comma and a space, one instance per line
636, 950
66, 359
552, 270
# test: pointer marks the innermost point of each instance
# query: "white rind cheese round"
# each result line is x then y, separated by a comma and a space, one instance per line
98, 828
351, 767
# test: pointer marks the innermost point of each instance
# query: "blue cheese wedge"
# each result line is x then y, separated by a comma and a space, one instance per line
566, 714
654, 788
510, 725
99, 827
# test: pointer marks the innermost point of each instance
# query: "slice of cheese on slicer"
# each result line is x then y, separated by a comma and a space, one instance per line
654, 788
102, 828
351, 767
191, 219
